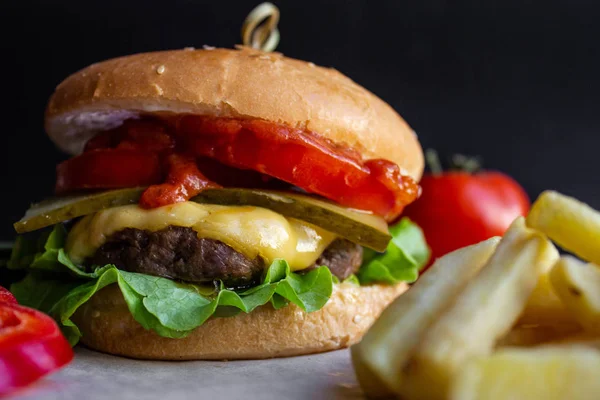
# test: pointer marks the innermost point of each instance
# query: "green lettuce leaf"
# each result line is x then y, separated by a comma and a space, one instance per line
62, 310
45, 253
352, 279
41, 291
404, 257
23, 252
409, 237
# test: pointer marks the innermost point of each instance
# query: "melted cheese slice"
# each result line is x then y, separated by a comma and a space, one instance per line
252, 231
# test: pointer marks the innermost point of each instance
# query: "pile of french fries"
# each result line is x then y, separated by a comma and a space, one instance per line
507, 318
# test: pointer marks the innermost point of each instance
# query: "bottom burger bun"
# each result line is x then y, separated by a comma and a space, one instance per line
107, 326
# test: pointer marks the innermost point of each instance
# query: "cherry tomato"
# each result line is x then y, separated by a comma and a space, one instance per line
108, 169
31, 345
458, 209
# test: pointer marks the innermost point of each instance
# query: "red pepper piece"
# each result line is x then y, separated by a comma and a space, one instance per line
31, 345
6, 296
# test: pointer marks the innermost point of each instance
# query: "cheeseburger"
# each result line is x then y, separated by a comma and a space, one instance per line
220, 204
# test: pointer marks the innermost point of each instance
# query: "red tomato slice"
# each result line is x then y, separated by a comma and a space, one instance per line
103, 140
107, 169
31, 346
133, 134
298, 157
459, 209
302, 159
227, 176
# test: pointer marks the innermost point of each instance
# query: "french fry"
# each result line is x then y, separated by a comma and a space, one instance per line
544, 307
589, 339
548, 372
545, 319
371, 384
578, 286
572, 224
483, 312
380, 356
533, 335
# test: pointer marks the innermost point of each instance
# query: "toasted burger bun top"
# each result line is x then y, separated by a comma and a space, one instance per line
242, 83
107, 326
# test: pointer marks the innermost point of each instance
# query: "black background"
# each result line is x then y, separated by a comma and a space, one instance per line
512, 81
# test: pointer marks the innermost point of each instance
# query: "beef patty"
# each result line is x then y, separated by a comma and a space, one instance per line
177, 253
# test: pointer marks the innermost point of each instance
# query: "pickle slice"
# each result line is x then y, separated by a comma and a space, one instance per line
59, 209
357, 226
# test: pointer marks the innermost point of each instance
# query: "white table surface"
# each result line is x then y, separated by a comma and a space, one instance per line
96, 376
